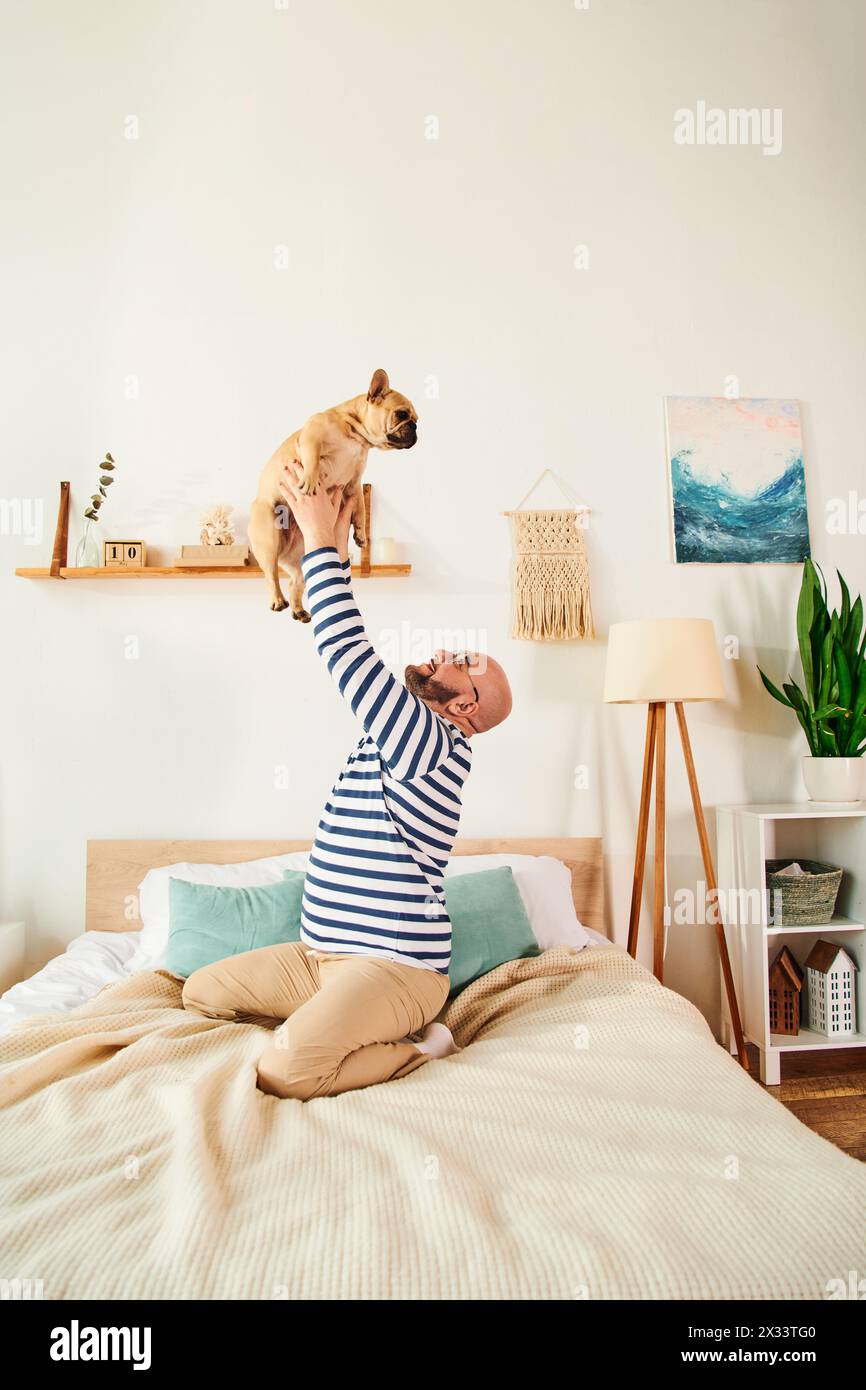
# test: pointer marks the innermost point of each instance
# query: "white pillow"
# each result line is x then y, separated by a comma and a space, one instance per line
544, 884
153, 896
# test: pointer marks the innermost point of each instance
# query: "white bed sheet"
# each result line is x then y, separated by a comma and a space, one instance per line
94, 959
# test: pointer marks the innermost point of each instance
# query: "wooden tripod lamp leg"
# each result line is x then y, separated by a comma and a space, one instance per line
659, 850
712, 889
642, 825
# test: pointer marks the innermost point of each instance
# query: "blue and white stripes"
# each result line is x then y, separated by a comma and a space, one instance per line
374, 884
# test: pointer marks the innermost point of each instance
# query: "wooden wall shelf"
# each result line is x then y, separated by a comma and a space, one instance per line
59, 569
217, 572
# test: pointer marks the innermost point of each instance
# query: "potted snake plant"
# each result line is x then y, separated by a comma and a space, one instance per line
831, 708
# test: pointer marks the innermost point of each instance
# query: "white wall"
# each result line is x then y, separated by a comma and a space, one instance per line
304, 126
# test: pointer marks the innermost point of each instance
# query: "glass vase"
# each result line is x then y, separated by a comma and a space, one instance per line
88, 552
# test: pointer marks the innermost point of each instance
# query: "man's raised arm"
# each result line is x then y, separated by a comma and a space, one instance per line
411, 739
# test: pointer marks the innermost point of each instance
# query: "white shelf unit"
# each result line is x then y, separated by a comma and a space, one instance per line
747, 836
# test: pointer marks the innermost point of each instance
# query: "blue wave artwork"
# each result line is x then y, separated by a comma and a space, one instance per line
738, 484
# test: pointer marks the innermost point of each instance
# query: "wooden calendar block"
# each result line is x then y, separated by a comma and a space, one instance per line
124, 554
134, 554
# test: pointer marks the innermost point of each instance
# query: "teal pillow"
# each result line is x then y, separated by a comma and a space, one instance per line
207, 924
489, 924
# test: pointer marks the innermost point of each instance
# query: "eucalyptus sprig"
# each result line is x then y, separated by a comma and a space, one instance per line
106, 468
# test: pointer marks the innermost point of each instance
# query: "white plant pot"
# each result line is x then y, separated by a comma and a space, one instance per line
833, 780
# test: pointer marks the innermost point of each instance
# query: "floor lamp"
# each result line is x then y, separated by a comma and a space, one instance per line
658, 661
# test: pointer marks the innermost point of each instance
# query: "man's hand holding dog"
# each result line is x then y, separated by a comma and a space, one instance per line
323, 517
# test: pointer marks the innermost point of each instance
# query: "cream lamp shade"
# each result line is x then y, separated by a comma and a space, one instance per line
662, 659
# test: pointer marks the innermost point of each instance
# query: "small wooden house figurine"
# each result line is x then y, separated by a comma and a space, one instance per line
830, 975
786, 981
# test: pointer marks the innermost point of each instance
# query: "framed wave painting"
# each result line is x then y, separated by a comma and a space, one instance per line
738, 487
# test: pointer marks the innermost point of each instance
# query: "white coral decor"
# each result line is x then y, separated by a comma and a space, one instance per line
216, 526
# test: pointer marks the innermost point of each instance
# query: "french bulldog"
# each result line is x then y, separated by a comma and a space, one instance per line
331, 450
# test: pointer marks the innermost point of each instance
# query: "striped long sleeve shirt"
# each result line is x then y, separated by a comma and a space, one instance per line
374, 882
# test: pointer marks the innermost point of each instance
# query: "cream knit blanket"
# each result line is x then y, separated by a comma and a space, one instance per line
591, 1141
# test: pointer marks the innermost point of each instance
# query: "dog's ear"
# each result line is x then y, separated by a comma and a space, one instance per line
378, 385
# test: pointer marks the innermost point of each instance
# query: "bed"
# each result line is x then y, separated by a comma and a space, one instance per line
590, 1141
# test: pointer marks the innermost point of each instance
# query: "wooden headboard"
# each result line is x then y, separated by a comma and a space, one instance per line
115, 868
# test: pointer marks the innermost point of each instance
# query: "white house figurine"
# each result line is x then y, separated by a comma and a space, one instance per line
830, 984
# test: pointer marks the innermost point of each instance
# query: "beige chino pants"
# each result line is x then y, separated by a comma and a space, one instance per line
344, 1015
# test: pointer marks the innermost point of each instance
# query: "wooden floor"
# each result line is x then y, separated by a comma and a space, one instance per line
827, 1091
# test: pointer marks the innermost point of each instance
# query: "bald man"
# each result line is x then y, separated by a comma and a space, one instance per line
360, 991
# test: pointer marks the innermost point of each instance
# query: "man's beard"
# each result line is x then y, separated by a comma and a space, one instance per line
427, 687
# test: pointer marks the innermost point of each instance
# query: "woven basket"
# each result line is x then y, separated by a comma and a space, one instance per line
802, 900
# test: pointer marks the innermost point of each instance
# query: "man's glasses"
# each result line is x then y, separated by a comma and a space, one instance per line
464, 661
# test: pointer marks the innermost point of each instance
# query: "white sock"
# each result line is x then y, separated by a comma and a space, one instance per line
436, 1040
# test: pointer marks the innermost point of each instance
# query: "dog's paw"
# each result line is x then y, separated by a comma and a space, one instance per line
308, 486
360, 538
279, 604
300, 615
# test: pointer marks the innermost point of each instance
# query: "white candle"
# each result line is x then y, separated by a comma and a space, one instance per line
384, 551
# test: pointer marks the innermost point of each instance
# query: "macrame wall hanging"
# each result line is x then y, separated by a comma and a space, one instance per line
551, 575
